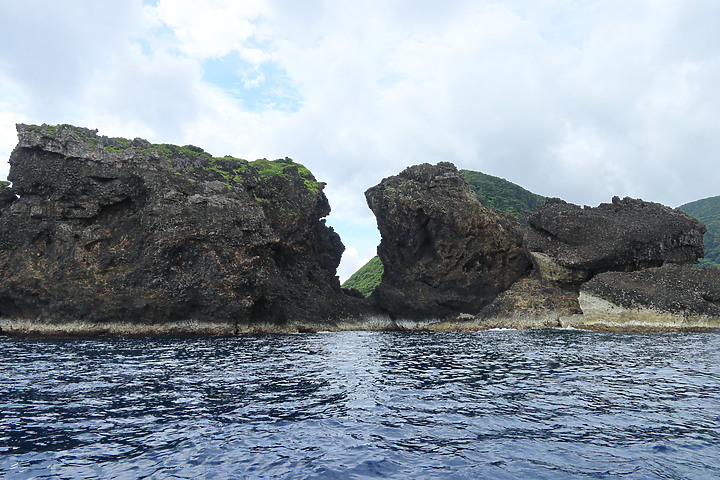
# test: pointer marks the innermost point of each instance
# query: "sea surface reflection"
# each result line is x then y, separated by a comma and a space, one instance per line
500, 404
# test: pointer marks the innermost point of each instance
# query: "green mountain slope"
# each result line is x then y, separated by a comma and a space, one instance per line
498, 193
493, 192
366, 278
707, 211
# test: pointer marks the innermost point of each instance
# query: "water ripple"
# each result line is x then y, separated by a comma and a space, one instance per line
540, 404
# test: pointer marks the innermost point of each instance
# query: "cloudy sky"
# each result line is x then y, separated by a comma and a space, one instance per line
579, 99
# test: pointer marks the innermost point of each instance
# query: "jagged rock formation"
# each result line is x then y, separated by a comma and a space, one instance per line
443, 252
446, 256
493, 192
6, 194
569, 244
165, 239
671, 296
529, 303
101, 230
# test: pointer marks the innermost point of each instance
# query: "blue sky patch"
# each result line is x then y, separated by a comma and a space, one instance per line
260, 87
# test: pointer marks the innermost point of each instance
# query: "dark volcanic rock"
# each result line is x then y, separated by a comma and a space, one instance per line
675, 296
533, 301
443, 252
7, 196
570, 244
112, 230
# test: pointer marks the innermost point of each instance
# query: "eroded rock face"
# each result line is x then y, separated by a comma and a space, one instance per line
112, 230
569, 244
671, 296
443, 252
534, 301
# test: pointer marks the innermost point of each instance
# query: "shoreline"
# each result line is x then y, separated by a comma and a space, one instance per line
74, 329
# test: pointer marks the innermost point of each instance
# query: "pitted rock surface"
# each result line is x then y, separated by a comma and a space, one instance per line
678, 289
569, 244
444, 253
102, 229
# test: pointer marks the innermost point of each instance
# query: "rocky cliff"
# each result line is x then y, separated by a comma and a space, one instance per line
570, 244
444, 253
451, 261
109, 235
107, 231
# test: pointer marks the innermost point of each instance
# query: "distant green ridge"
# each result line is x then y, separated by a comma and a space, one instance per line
493, 192
498, 193
707, 211
367, 277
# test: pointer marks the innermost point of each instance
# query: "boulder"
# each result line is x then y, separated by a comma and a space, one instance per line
569, 244
444, 254
668, 297
530, 302
107, 230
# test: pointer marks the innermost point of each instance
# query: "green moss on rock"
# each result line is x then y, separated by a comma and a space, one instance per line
189, 162
267, 167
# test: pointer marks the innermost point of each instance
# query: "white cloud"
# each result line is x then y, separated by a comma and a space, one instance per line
212, 28
351, 263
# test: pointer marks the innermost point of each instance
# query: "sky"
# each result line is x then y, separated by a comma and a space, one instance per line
577, 99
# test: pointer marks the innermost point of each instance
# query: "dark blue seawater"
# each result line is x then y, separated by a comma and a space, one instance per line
541, 404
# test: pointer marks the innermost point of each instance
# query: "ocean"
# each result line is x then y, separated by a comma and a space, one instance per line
506, 404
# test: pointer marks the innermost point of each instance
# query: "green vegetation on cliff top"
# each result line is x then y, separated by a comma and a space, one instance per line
493, 192
189, 161
707, 211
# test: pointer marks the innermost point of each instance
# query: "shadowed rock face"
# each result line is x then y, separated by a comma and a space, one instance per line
115, 230
443, 252
569, 244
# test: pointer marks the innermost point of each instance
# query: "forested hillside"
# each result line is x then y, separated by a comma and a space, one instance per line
367, 277
498, 193
707, 211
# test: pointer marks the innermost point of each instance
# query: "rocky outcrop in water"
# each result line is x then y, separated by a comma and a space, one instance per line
446, 256
569, 244
123, 236
104, 231
530, 302
443, 252
671, 296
